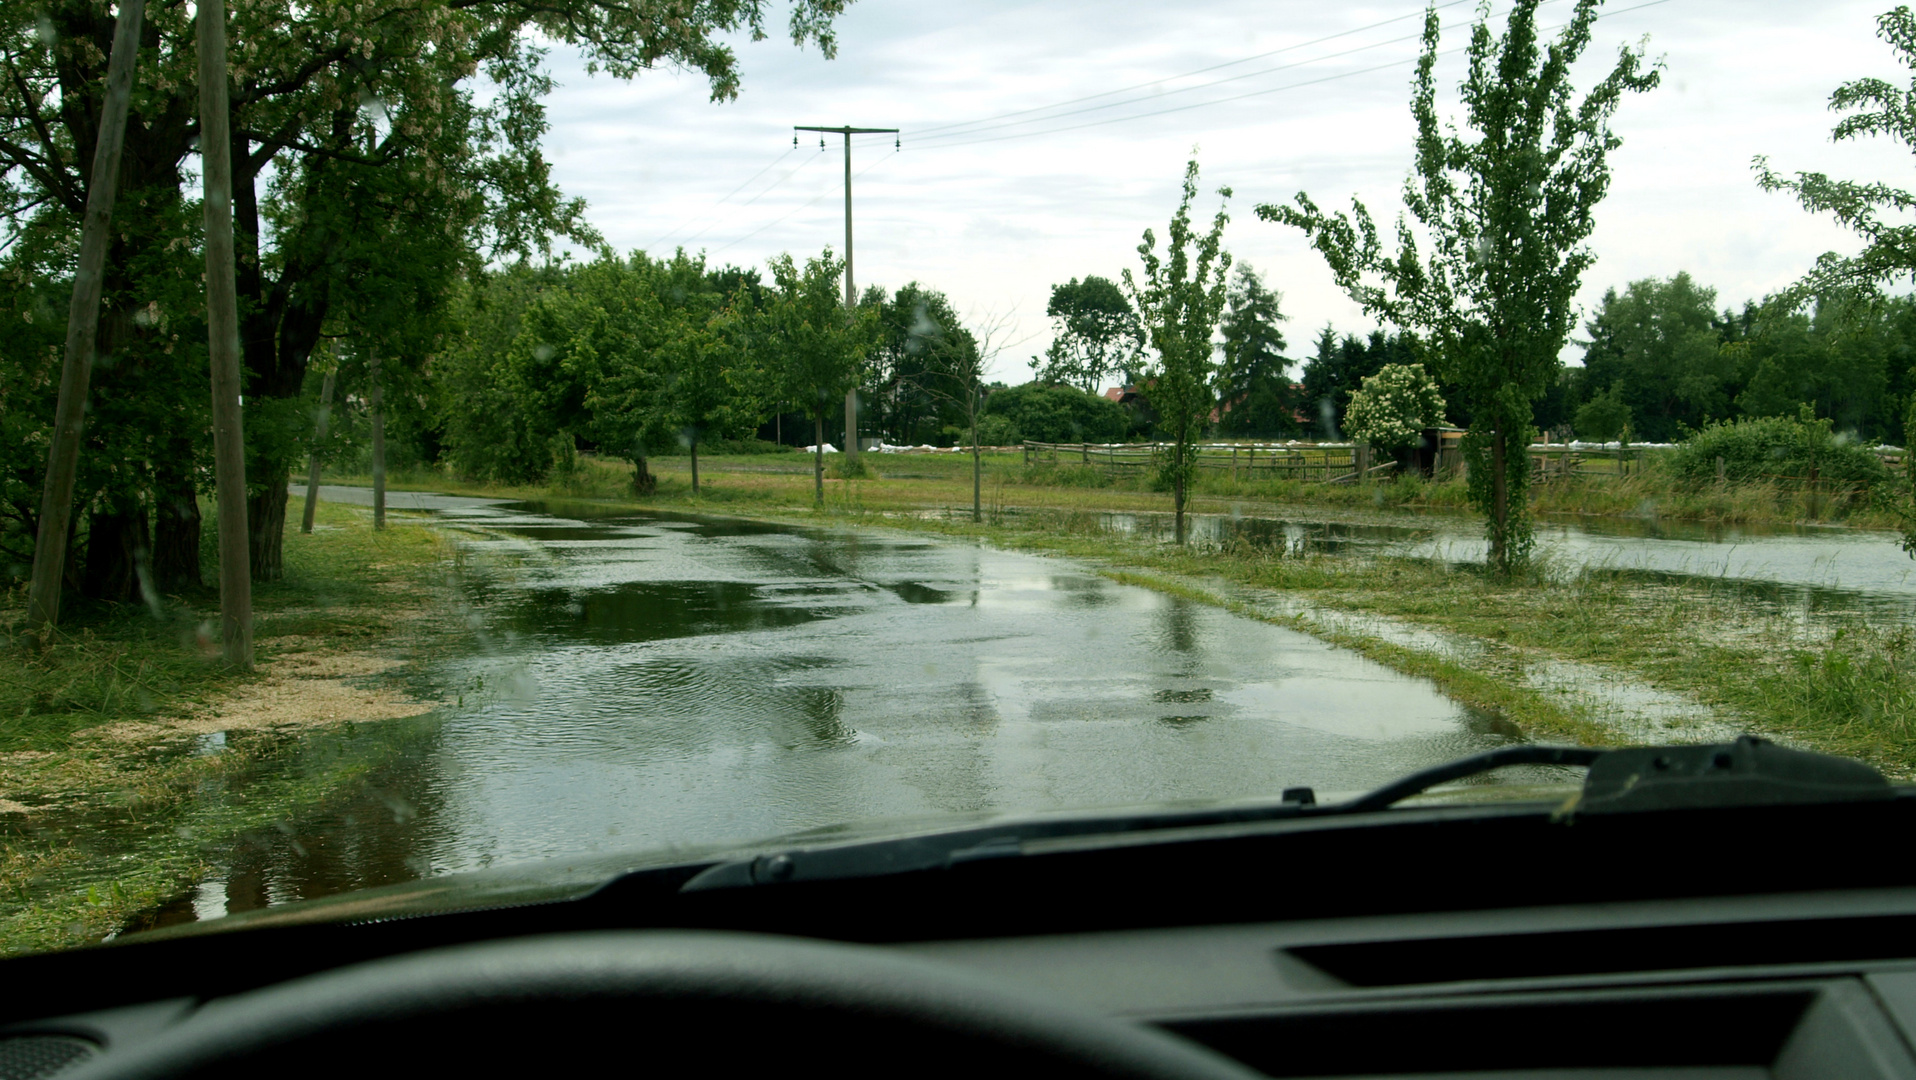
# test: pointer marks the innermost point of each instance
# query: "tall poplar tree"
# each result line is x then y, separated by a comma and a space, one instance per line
1179, 305
1505, 206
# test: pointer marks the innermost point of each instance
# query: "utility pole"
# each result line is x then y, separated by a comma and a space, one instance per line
222, 326
851, 292
83, 327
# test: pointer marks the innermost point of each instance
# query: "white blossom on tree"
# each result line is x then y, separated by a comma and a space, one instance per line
1394, 407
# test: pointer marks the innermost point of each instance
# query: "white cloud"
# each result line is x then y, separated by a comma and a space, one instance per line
995, 223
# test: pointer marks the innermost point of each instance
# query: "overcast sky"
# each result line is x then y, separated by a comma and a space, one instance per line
994, 212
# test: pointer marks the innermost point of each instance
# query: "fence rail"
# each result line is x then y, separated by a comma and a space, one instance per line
1324, 463
1344, 463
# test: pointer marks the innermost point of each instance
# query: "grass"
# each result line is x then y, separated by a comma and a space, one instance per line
109, 810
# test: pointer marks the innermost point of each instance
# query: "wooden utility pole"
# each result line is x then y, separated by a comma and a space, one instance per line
312, 462
851, 292
378, 402
222, 327
83, 326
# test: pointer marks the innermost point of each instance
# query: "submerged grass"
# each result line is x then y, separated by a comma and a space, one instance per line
106, 808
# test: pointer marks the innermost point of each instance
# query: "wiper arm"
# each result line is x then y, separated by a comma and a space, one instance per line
1424, 779
1748, 772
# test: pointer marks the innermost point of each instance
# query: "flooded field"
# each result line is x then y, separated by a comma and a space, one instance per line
1822, 566
647, 680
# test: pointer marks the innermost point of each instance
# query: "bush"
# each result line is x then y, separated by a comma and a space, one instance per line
993, 431
1777, 447
744, 446
1052, 414
1394, 407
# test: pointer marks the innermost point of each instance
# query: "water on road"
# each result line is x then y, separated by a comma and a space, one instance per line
650, 679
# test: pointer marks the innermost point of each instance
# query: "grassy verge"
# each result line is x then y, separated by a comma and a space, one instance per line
130, 757
911, 482
1839, 680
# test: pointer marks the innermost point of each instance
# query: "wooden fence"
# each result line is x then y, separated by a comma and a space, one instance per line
1331, 463
1343, 463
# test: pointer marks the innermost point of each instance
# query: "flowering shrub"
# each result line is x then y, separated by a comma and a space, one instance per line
1394, 407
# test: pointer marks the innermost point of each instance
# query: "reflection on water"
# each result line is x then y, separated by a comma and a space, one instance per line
654, 679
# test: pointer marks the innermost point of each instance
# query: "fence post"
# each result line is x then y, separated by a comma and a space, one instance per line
1084, 452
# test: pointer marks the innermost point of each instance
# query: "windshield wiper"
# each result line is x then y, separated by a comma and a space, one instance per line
1748, 772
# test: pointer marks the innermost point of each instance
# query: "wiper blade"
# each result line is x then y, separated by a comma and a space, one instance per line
1748, 772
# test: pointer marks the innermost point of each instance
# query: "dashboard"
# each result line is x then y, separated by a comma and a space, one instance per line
1442, 942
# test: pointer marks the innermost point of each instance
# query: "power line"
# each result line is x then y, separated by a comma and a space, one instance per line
808, 204
767, 190
1234, 97
1188, 74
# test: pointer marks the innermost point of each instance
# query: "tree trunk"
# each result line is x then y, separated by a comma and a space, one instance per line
266, 525
695, 464
312, 462
117, 553
377, 400
176, 531
1177, 490
223, 361
818, 460
977, 471
643, 482
83, 323
1499, 505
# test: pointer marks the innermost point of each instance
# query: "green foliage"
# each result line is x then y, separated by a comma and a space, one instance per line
1254, 382
1047, 413
1096, 334
1339, 368
1179, 305
1875, 212
1506, 214
1603, 418
1836, 358
815, 348
915, 383
1778, 447
1395, 406
1659, 349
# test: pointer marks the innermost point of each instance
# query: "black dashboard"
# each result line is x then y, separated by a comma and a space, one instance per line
1430, 942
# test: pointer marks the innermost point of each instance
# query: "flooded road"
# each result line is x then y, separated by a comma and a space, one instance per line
647, 680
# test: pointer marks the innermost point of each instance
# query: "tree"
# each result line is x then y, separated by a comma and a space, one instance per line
1046, 412
814, 343
1338, 369
1096, 333
322, 96
1394, 407
1835, 358
1254, 382
706, 388
1603, 418
1179, 305
921, 343
1659, 346
1505, 215
1873, 211
956, 375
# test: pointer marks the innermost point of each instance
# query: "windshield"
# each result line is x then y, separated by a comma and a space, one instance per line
439, 436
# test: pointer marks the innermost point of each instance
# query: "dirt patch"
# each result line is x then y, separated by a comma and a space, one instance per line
306, 685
